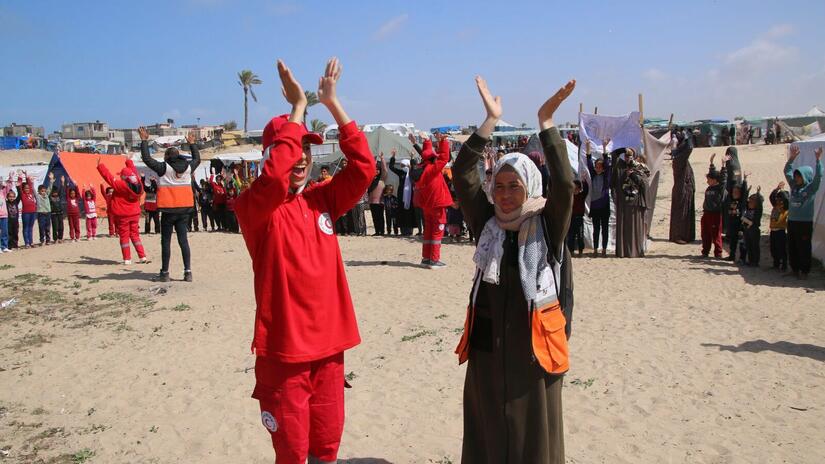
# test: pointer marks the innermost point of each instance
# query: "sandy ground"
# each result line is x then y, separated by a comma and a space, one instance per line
675, 359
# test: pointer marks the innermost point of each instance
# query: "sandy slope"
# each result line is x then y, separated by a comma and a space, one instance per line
674, 359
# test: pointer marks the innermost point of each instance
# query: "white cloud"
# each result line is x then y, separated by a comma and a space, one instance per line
761, 54
654, 74
390, 27
780, 30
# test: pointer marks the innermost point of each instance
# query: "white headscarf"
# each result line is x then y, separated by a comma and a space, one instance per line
536, 274
408, 191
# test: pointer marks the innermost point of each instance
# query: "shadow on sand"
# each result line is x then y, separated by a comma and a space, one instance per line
803, 350
762, 275
90, 261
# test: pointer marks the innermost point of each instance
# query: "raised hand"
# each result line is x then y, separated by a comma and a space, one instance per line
412, 139
781, 185
758, 188
587, 146
817, 153
712, 157
747, 174
605, 143
51, 176
794, 152
548, 109
491, 104
327, 83
190, 137
143, 133
290, 87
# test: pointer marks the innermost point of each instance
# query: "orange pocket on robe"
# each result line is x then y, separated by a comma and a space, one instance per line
549, 340
463, 348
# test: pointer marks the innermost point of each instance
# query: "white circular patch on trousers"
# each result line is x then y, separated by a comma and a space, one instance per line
441, 227
269, 422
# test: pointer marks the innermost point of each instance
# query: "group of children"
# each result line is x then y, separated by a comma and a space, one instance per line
52, 205
729, 205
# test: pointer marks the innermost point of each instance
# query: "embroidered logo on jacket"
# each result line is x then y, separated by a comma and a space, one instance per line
325, 223
269, 422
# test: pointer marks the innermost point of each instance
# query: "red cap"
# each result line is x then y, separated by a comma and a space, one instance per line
274, 126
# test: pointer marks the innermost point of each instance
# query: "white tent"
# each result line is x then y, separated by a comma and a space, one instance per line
815, 111
807, 157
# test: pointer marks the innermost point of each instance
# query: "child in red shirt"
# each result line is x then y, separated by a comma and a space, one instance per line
73, 212
304, 319
108, 193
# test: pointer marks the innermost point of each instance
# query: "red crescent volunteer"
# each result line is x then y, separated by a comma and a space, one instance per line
305, 317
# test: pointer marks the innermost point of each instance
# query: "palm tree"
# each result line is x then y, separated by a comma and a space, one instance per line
247, 79
316, 125
312, 100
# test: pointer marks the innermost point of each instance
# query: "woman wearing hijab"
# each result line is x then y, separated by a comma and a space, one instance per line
405, 216
683, 206
629, 184
514, 337
734, 169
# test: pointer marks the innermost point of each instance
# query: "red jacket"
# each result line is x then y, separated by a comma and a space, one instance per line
218, 192
431, 187
304, 310
28, 201
125, 201
73, 204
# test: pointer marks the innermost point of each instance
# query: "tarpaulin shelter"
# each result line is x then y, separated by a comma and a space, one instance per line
380, 140
807, 158
81, 169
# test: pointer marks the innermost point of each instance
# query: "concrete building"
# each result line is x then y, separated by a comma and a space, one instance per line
204, 133
128, 137
163, 129
22, 130
86, 130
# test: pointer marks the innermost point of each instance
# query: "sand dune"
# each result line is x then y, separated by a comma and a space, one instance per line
675, 359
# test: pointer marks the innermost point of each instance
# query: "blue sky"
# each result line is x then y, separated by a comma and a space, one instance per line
131, 63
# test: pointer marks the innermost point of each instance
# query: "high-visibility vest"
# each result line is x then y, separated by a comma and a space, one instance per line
175, 190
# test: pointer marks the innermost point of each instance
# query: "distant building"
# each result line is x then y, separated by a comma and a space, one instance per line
164, 129
86, 130
129, 138
204, 133
23, 130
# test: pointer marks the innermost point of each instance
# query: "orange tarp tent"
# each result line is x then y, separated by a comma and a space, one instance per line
81, 169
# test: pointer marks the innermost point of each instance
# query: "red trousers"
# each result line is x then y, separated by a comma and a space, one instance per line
91, 227
127, 228
711, 226
302, 407
112, 224
74, 227
434, 220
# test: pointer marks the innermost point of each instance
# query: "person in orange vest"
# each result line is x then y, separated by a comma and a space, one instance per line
301, 333
175, 199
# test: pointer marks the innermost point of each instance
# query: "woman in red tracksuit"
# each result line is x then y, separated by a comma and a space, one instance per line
126, 207
304, 319
108, 194
434, 197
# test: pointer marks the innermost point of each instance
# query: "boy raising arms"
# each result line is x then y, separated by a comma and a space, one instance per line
304, 318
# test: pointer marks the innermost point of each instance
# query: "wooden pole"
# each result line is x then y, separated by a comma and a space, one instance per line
581, 108
670, 122
641, 110
596, 111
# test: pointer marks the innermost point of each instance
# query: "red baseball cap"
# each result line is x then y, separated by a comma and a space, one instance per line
274, 126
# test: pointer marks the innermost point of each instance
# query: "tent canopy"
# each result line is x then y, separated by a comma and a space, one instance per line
81, 170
